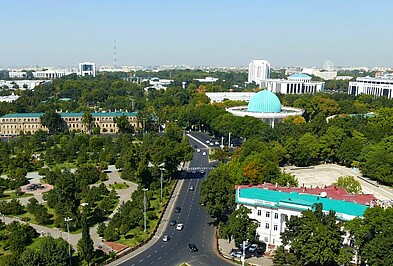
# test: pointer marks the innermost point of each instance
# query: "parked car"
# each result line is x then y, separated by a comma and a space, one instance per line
198, 150
173, 223
245, 247
192, 247
179, 227
204, 153
166, 238
191, 188
237, 253
253, 248
177, 209
195, 146
217, 143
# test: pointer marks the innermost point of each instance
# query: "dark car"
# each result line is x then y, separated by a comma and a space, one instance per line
192, 247
195, 146
173, 222
177, 209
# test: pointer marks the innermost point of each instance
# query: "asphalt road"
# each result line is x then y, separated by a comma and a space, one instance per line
198, 227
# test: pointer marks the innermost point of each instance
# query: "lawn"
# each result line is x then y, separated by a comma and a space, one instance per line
12, 195
118, 186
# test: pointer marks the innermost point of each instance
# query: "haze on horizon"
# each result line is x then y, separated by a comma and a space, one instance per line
215, 32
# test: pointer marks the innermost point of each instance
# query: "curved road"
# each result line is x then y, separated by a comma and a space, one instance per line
198, 227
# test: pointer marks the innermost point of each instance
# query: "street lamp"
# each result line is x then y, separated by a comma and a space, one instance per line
67, 220
161, 177
144, 206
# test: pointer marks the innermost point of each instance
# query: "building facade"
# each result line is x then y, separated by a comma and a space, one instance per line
87, 69
373, 86
295, 84
219, 97
258, 71
270, 208
14, 124
17, 74
51, 74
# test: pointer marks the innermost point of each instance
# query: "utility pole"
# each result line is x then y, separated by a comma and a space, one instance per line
229, 140
67, 220
161, 183
144, 206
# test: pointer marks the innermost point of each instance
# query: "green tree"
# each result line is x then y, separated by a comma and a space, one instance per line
85, 244
240, 226
315, 239
53, 121
87, 121
123, 124
54, 252
350, 184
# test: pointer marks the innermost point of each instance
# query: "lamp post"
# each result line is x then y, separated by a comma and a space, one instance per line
161, 177
67, 220
144, 207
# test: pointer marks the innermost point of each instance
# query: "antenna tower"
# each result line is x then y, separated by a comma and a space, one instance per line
114, 54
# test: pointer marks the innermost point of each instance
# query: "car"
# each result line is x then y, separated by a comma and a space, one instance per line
195, 146
202, 172
172, 222
217, 143
192, 247
177, 209
252, 248
166, 238
207, 141
179, 227
191, 188
204, 153
237, 253
198, 150
211, 144
193, 171
245, 247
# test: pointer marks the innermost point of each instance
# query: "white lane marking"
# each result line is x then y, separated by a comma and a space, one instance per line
141, 260
149, 256
159, 258
155, 251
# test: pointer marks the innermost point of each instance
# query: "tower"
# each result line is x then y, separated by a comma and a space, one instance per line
258, 71
114, 54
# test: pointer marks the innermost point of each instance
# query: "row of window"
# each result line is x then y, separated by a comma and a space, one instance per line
3, 120
20, 120
267, 226
259, 213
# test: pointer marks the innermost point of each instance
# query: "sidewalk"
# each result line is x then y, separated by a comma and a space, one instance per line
226, 248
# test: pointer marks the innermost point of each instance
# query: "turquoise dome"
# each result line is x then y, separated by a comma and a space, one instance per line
264, 102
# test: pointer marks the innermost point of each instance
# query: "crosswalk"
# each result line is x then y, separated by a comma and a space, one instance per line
198, 168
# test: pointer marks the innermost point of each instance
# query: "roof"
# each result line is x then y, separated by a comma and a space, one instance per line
38, 115
299, 76
294, 200
333, 192
264, 102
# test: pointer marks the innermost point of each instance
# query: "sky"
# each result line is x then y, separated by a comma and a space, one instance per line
196, 32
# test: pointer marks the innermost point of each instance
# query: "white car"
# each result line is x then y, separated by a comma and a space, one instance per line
179, 227
166, 238
198, 150
237, 254
252, 248
207, 141
204, 153
217, 143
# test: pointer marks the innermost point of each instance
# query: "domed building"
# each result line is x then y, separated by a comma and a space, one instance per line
267, 106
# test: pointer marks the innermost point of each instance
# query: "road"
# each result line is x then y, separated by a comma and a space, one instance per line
198, 227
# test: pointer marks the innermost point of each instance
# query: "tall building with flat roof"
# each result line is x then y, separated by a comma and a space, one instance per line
258, 71
373, 86
87, 69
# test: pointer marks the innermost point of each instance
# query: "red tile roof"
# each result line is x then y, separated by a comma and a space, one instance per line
333, 192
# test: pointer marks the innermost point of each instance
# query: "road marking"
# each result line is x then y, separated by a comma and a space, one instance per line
159, 258
155, 251
141, 260
149, 256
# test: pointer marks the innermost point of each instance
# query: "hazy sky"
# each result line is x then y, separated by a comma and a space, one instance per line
198, 32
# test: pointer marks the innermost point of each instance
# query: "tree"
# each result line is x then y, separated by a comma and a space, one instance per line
350, 184
315, 239
373, 235
217, 192
54, 252
53, 121
85, 244
240, 226
123, 124
87, 121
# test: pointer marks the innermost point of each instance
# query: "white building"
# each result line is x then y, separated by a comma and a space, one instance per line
270, 208
372, 86
219, 97
87, 69
207, 80
9, 99
258, 71
295, 84
17, 74
51, 74
324, 74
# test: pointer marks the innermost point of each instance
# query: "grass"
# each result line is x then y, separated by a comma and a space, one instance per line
12, 195
118, 186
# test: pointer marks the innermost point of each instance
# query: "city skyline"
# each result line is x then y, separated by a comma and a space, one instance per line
217, 33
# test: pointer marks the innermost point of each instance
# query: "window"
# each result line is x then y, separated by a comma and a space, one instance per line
267, 226
266, 239
275, 227
276, 216
259, 212
267, 214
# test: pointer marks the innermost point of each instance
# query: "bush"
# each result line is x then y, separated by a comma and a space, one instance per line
151, 215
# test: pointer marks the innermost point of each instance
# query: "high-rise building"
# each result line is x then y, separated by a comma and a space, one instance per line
87, 69
258, 71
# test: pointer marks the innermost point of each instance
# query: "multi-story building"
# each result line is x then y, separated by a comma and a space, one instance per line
258, 71
14, 124
51, 74
271, 206
295, 84
373, 86
87, 69
17, 74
